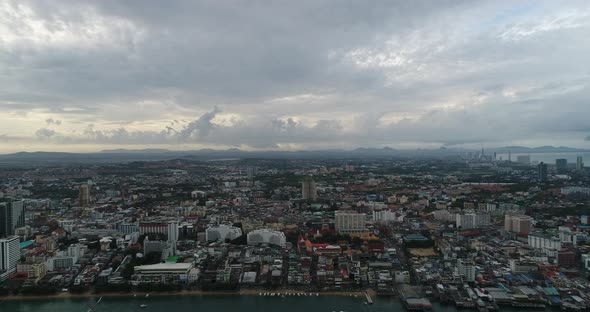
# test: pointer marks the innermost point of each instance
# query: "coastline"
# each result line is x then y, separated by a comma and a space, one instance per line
244, 292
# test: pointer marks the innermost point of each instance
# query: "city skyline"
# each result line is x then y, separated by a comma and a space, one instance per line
310, 75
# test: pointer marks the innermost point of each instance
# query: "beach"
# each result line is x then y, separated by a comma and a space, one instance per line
243, 292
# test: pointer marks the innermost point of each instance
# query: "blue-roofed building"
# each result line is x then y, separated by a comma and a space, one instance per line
26, 244
414, 238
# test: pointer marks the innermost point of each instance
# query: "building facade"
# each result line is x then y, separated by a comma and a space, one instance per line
84, 195
580, 163
472, 220
517, 223
153, 228
349, 222
542, 172
561, 165
9, 256
12, 216
308, 189
541, 241
222, 232
265, 236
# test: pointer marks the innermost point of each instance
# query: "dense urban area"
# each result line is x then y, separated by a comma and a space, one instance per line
472, 231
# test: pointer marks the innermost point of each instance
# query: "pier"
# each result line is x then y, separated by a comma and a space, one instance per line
369, 299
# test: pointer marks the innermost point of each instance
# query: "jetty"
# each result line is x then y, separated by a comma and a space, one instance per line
369, 299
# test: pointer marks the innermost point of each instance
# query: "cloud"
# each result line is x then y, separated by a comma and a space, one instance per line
51, 121
200, 127
305, 74
44, 133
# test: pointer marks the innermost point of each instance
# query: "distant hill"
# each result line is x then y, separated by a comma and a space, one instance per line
125, 155
30, 159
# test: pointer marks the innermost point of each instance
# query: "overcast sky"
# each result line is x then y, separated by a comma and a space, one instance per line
92, 75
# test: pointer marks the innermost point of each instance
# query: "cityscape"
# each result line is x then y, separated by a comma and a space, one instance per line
310, 155
470, 231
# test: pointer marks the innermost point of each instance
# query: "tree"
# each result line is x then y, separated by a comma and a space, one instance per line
356, 243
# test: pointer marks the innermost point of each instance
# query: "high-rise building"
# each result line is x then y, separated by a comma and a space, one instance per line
308, 189
517, 223
561, 165
542, 172
84, 195
466, 270
579, 163
9, 256
251, 172
153, 227
12, 216
348, 222
523, 159
173, 235
539, 240
472, 220
173, 231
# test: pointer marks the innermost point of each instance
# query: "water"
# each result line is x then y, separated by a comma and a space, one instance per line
216, 304
549, 158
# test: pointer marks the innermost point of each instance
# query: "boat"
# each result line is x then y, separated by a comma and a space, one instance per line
143, 305
147, 295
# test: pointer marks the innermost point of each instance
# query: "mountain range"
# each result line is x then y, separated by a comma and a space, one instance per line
126, 155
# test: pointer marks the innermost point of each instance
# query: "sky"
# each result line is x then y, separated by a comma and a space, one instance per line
83, 76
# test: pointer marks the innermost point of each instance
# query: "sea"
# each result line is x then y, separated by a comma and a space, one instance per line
216, 304
549, 158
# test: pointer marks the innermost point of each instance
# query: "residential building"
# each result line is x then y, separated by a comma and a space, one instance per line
153, 227
84, 195
517, 223
173, 235
221, 232
539, 240
12, 216
561, 165
385, 216
579, 163
542, 172
308, 189
9, 256
523, 159
466, 270
566, 258
265, 236
472, 220
348, 222
128, 228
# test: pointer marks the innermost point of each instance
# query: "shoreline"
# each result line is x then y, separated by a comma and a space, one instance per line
245, 292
